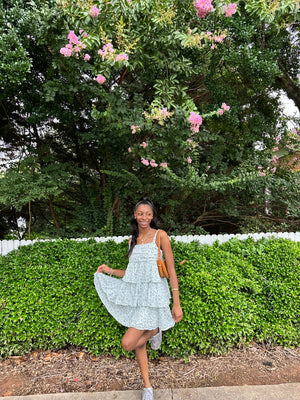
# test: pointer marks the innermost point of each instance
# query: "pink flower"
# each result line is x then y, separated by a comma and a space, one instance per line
230, 9
164, 164
203, 7
195, 121
87, 57
262, 173
144, 144
209, 166
121, 57
106, 51
189, 160
73, 38
100, 79
129, 150
260, 167
164, 112
277, 138
221, 111
273, 170
275, 158
144, 161
94, 11
135, 128
65, 51
276, 148
153, 163
225, 107
189, 141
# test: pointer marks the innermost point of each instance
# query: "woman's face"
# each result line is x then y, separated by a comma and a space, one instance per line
143, 215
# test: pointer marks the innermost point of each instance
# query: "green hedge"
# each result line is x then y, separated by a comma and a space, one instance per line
231, 294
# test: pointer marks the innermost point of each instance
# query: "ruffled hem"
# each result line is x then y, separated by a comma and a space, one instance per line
123, 293
139, 317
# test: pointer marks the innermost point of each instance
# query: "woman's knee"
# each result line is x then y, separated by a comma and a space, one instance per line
127, 344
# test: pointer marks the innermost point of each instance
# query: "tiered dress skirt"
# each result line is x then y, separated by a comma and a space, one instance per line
141, 298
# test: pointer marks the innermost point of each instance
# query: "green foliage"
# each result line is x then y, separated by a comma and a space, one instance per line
15, 62
61, 116
231, 294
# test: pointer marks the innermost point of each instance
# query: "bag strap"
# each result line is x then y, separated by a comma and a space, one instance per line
158, 244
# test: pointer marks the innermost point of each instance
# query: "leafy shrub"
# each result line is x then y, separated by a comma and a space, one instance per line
276, 262
230, 294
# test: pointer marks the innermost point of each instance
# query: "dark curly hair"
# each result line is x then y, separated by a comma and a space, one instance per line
134, 225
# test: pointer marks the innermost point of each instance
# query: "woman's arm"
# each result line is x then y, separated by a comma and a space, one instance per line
168, 254
105, 268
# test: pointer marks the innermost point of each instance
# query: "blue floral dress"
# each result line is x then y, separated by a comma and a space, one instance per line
141, 298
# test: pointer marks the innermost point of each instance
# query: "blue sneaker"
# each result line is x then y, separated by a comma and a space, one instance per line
156, 340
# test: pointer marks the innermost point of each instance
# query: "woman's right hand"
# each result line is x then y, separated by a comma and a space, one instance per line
103, 268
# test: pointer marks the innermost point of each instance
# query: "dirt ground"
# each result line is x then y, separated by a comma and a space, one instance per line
75, 370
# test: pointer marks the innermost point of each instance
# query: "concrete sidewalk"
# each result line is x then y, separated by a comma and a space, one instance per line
289, 391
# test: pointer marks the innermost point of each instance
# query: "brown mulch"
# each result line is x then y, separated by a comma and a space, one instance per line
75, 370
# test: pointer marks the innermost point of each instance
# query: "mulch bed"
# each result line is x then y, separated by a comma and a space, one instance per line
75, 370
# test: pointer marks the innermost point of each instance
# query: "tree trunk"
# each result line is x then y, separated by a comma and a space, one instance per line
30, 217
289, 86
53, 213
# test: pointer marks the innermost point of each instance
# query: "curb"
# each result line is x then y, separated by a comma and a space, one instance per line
286, 391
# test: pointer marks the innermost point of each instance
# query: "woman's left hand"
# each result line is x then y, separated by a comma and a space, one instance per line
177, 313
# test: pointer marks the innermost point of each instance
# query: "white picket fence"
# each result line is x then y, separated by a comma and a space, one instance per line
6, 246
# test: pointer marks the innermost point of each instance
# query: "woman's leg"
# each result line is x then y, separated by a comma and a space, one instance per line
142, 359
135, 339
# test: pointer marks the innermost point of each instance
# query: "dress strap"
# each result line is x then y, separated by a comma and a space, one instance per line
154, 239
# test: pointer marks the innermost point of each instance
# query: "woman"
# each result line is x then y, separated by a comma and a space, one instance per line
140, 300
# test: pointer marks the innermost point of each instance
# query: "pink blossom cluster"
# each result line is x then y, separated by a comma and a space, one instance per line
75, 45
203, 7
153, 163
144, 144
100, 79
229, 10
122, 57
108, 52
135, 128
158, 114
164, 113
224, 107
216, 38
277, 139
94, 11
195, 120
263, 172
